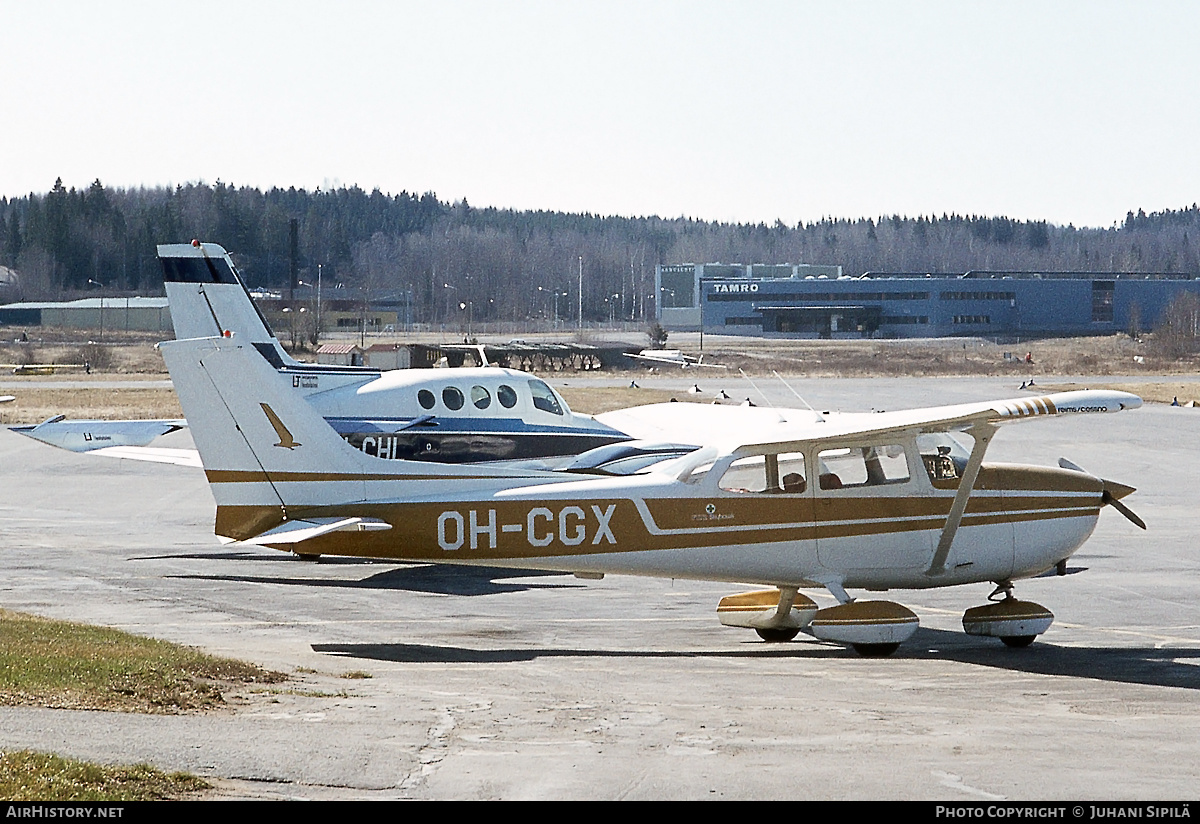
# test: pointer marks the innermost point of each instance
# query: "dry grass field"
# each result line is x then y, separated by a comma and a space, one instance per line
1056, 364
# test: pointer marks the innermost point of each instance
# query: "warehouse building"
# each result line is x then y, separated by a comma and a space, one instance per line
819, 302
116, 314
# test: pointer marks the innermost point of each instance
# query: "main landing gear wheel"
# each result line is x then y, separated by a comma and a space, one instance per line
875, 650
777, 635
1017, 641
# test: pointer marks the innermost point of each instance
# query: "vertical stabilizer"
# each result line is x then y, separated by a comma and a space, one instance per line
208, 297
269, 455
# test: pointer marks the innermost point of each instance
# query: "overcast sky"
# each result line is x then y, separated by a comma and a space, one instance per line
1072, 112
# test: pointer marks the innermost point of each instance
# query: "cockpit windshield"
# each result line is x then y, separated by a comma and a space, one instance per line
544, 397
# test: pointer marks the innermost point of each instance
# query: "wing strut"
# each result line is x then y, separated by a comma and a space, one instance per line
982, 432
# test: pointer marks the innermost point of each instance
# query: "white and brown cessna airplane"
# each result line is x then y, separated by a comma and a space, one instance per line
871, 501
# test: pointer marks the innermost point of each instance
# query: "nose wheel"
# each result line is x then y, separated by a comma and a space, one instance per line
1017, 623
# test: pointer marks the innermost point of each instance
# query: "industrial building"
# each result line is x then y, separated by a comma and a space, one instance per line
133, 314
803, 301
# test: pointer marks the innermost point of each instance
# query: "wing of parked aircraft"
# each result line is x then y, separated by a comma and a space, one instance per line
98, 436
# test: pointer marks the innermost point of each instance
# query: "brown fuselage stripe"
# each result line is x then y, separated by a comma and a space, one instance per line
516, 529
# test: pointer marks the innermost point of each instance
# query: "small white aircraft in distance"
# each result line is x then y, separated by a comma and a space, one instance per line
671, 357
871, 501
38, 368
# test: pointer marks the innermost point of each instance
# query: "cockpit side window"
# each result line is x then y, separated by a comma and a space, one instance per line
745, 475
945, 458
544, 397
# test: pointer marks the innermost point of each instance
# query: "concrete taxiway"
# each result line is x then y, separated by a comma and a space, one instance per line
501, 684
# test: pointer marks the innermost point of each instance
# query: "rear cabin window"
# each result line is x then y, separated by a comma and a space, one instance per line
426, 399
452, 396
480, 397
863, 466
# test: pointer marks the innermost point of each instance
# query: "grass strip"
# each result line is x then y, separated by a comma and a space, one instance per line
76, 666
35, 776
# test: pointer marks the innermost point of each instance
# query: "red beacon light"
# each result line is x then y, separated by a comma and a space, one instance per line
196, 243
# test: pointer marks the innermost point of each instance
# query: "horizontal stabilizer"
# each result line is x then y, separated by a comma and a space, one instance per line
151, 454
300, 530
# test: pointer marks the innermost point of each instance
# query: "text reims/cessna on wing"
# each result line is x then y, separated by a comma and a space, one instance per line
883, 501
445, 415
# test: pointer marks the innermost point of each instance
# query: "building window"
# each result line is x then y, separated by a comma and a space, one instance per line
677, 288
1102, 301
979, 295
973, 320
903, 320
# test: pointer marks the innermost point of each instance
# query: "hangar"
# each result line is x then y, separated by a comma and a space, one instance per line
131, 314
819, 302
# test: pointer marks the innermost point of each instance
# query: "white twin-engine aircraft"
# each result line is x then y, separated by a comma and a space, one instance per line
462, 415
875, 501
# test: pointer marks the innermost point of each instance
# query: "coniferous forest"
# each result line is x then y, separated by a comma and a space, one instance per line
516, 265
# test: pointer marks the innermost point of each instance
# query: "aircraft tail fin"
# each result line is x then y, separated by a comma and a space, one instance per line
209, 299
270, 457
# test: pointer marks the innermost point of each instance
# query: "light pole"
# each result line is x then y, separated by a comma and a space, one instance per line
448, 287
581, 293
558, 295
101, 286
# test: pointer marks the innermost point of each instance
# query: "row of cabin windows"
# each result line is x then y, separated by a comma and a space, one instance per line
844, 468
454, 399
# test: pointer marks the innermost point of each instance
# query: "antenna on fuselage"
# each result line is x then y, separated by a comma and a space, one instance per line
798, 395
756, 389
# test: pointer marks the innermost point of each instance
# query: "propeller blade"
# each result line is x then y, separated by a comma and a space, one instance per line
1108, 498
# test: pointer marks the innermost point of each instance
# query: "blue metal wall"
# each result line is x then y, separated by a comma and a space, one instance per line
908, 307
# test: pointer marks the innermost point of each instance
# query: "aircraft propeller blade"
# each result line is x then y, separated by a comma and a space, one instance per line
1110, 499
1112, 494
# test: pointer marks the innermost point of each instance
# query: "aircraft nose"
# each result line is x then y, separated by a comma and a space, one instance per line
1117, 491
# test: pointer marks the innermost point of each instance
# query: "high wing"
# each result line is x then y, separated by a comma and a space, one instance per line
727, 427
